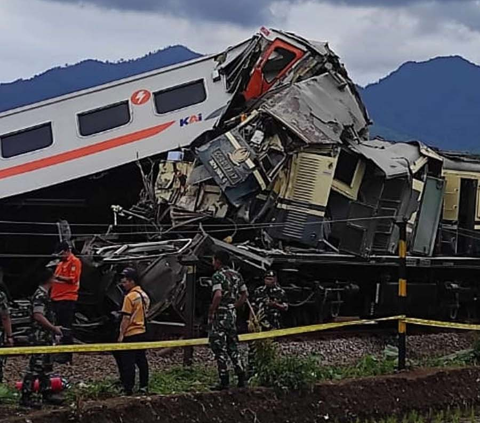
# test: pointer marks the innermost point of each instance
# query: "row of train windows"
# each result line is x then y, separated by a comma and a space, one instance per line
103, 119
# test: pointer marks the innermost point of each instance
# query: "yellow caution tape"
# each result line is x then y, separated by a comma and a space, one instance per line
312, 328
439, 324
95, 348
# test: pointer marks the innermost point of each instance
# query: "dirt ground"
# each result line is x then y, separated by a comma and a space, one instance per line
334, 401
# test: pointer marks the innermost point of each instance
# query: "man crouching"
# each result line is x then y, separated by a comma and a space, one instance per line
42, 332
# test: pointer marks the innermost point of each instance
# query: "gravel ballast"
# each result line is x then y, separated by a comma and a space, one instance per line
331, 351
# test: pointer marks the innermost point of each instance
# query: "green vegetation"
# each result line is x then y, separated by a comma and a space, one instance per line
282, 373
182, 379
273, 370
7, 395
176, 380
93, 391
293, 372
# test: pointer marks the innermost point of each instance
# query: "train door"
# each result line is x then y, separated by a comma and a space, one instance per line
466, 215
274, 64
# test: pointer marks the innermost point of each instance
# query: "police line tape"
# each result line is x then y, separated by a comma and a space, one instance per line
95, 348
440, 324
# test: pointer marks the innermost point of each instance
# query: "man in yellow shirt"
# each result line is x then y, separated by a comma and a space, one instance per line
133, 329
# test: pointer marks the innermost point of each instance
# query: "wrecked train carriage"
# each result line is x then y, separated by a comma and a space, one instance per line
461, 210
340, 272
100, 296
291, 177
71, 157
297, 123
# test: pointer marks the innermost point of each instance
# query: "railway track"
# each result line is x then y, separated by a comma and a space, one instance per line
381, 329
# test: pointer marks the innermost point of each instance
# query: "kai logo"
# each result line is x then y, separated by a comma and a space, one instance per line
190, 120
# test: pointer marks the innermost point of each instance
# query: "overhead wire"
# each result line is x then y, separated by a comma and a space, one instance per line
13, 222
225, 228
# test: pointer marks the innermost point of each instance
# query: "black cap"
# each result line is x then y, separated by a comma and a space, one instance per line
223, 257
130, 273
270, 274
62, 246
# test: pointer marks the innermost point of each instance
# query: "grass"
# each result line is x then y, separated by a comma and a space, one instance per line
283, 373
273, 370
175, 380
294, 372
180, 379
7, 395
93, 391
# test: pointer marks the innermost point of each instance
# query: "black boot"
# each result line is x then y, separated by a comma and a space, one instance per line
242, 380
28, 402
223, 384
53, 399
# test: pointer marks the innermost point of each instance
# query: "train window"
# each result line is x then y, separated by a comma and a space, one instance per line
181, 96
27, 140
346, 167
278, 60
103, 119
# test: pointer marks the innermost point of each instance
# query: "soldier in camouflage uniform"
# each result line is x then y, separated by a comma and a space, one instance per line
6, 338
229, 293
268, 304
41, 333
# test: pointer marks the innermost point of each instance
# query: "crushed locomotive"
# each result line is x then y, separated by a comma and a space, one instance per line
281, 173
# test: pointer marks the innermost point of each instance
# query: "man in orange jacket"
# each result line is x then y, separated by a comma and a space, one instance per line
64, 293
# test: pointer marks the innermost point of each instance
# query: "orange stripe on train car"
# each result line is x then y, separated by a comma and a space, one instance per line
84, 151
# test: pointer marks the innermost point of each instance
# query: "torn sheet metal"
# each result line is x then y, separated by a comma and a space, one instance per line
238, 62
318, 111
229, 159
240, 168
172, 180
393, 159
461, 163
303, 198
198, 175
242, 257
164, 282
428, 219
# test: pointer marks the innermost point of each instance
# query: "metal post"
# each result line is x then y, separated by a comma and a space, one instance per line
189, 313
402, 294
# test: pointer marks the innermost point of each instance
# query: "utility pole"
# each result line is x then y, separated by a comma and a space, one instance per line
190, 262
402, 294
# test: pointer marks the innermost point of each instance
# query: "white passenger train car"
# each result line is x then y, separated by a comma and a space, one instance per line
94, 130
97, 129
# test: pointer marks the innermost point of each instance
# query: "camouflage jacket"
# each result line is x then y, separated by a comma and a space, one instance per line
41, 303
3, 310
231, 283
3, 303
270, 317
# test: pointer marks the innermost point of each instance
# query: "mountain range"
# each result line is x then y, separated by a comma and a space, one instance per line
436, 101
86, 74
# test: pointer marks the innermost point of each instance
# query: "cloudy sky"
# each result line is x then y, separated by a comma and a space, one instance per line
373, 37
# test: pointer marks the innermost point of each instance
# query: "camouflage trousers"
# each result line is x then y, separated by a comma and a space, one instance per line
39, 367
3, 360
223, 340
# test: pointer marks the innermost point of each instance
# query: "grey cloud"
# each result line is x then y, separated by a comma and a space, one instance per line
241, 12
245, 12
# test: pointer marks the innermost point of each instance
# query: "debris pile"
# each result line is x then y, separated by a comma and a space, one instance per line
288, 169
